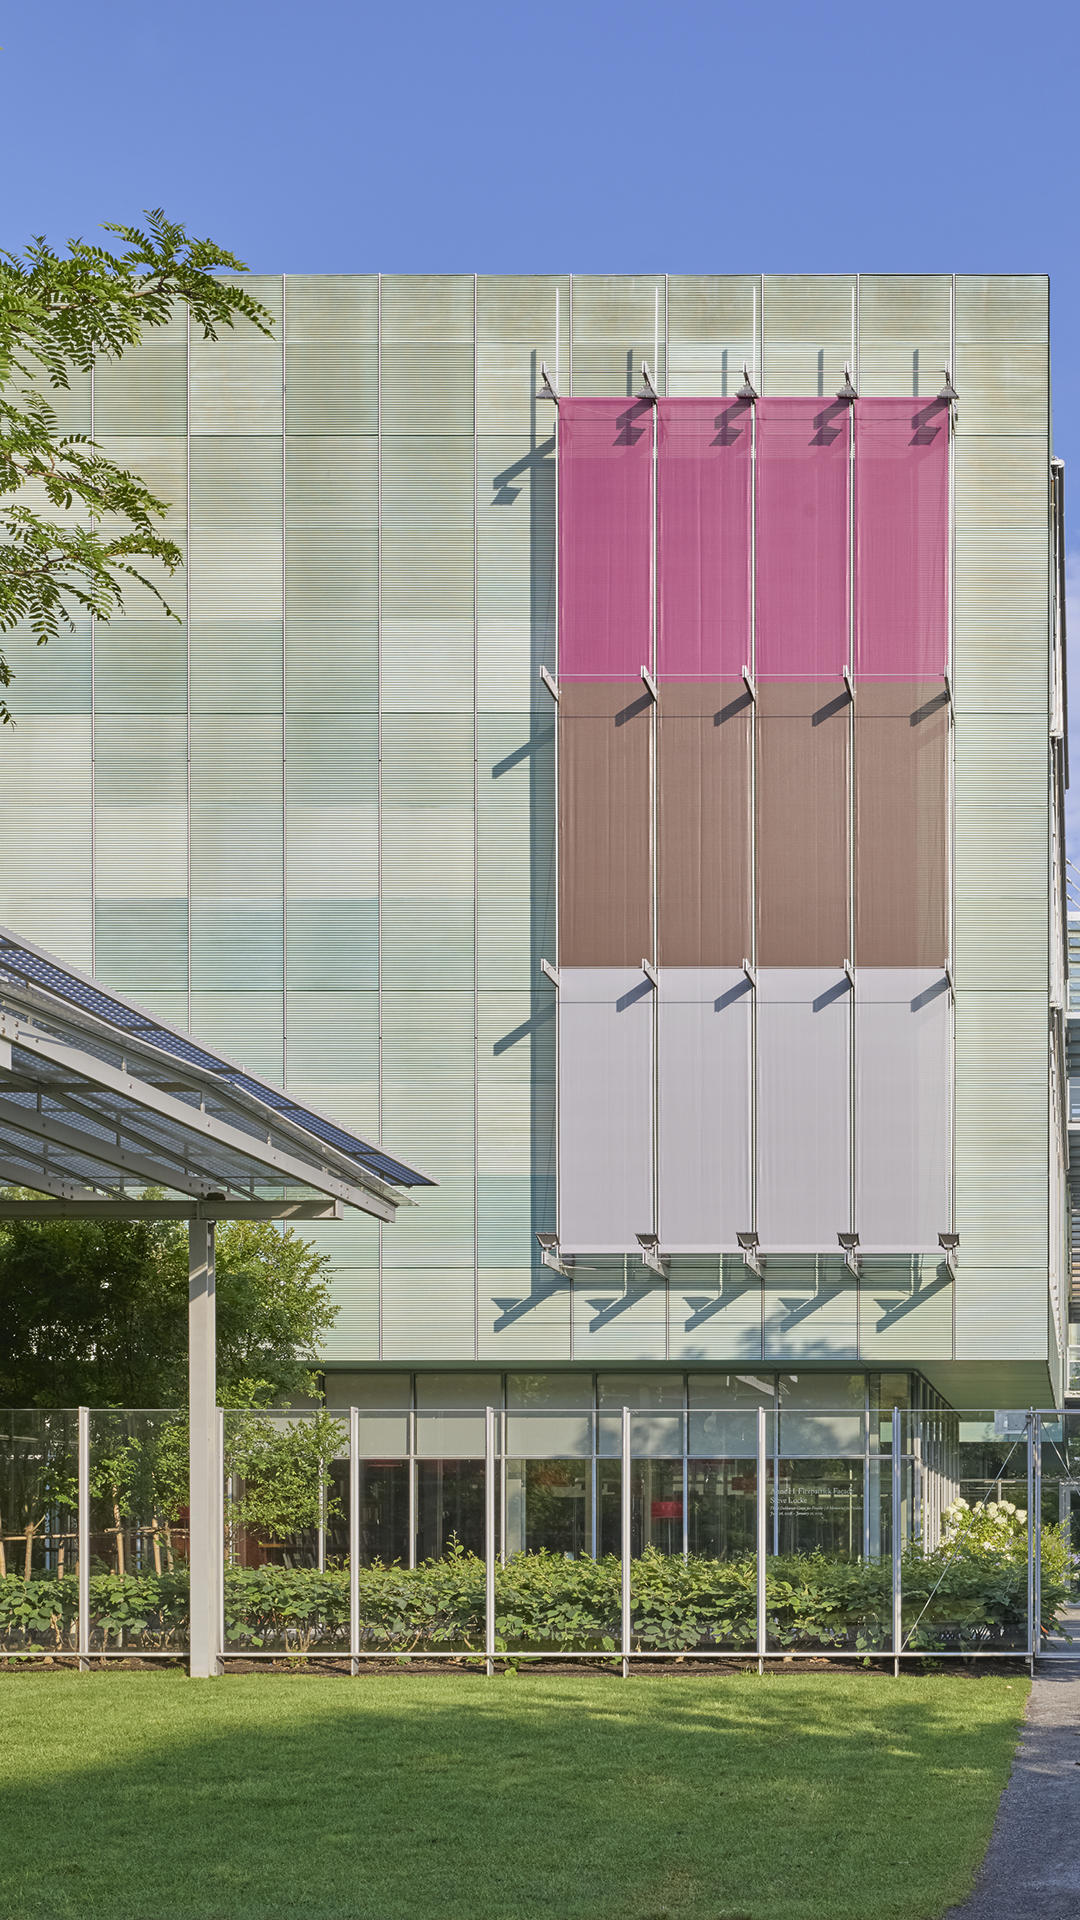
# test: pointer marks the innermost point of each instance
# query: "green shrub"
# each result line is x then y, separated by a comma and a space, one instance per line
961, 1598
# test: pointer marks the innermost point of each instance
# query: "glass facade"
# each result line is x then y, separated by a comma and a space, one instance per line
694, 1442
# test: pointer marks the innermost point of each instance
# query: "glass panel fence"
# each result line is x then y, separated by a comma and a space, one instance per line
38, 1531
298, 1503
964, 1532
1058, 1507
138, 1479
285, 1511
828, 1578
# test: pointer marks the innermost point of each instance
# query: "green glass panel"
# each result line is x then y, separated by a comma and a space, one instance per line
331, 387
427, 306
235, 481
331, 480
141, 945
145, 392
332, 757
332, 946
331, 306
236, 946
331, 667
236, 666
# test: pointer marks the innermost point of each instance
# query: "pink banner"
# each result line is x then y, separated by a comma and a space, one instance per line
605, 538
901, 535
703, 542
802, 539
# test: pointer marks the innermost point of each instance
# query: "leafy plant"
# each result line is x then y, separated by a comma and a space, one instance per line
953, 1599
75, 528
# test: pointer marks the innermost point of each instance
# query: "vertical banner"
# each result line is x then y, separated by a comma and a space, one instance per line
901, 823
803, 457
605, 809
703, 823
803, 1108
802, 823
703, 1116
605, 1109
704, 519
901, 539
902, 1102
605, 538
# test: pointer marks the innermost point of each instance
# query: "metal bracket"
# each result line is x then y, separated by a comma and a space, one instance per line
556, 1264
750, 972
748, 679
948, 391
849, 684
850, 971
848, 390
648, 391
552, 973
551, 683
747, 391
550, 1255
751, 1254
651, 687
650, 972
547, 389
651, 1255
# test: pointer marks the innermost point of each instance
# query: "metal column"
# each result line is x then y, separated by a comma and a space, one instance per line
1035, 1518
354, 1540
490, 1540
204, 1492
762, 1530
84, 1537
625, 1542
896, 1543
1029, 1429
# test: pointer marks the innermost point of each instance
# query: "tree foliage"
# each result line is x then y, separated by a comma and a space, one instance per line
75, 528
94, 1313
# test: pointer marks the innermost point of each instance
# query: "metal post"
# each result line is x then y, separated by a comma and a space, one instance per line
625, 1542
762, 1530
84, 1537
490, 1541
354, 1541
204, 1493
1035, 1517
411, 1439
1029, 1427
897, 1548
219, 1487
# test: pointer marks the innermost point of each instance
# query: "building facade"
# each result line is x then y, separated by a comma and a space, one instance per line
642, 806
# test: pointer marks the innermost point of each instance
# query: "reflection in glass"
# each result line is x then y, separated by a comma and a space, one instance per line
450, 1506
722, 1516
818, 1506
549, 1506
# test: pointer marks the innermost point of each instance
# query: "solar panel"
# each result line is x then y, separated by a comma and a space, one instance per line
36, 970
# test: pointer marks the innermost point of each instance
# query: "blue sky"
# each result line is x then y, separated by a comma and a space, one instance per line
810, 137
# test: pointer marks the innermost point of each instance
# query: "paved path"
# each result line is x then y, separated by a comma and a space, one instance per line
1032, 1865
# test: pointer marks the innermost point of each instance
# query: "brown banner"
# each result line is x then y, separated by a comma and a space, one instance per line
802, 823
901, 811
703, 823
605, 874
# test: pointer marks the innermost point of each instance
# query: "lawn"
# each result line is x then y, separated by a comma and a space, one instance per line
451, 1797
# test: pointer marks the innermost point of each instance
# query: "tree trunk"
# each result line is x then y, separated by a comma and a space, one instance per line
119, 1528
28, 1562
155, 1535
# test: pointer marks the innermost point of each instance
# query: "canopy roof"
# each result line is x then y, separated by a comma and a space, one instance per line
103, 1106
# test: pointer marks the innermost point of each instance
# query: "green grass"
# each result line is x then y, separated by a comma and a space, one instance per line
448, 1797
